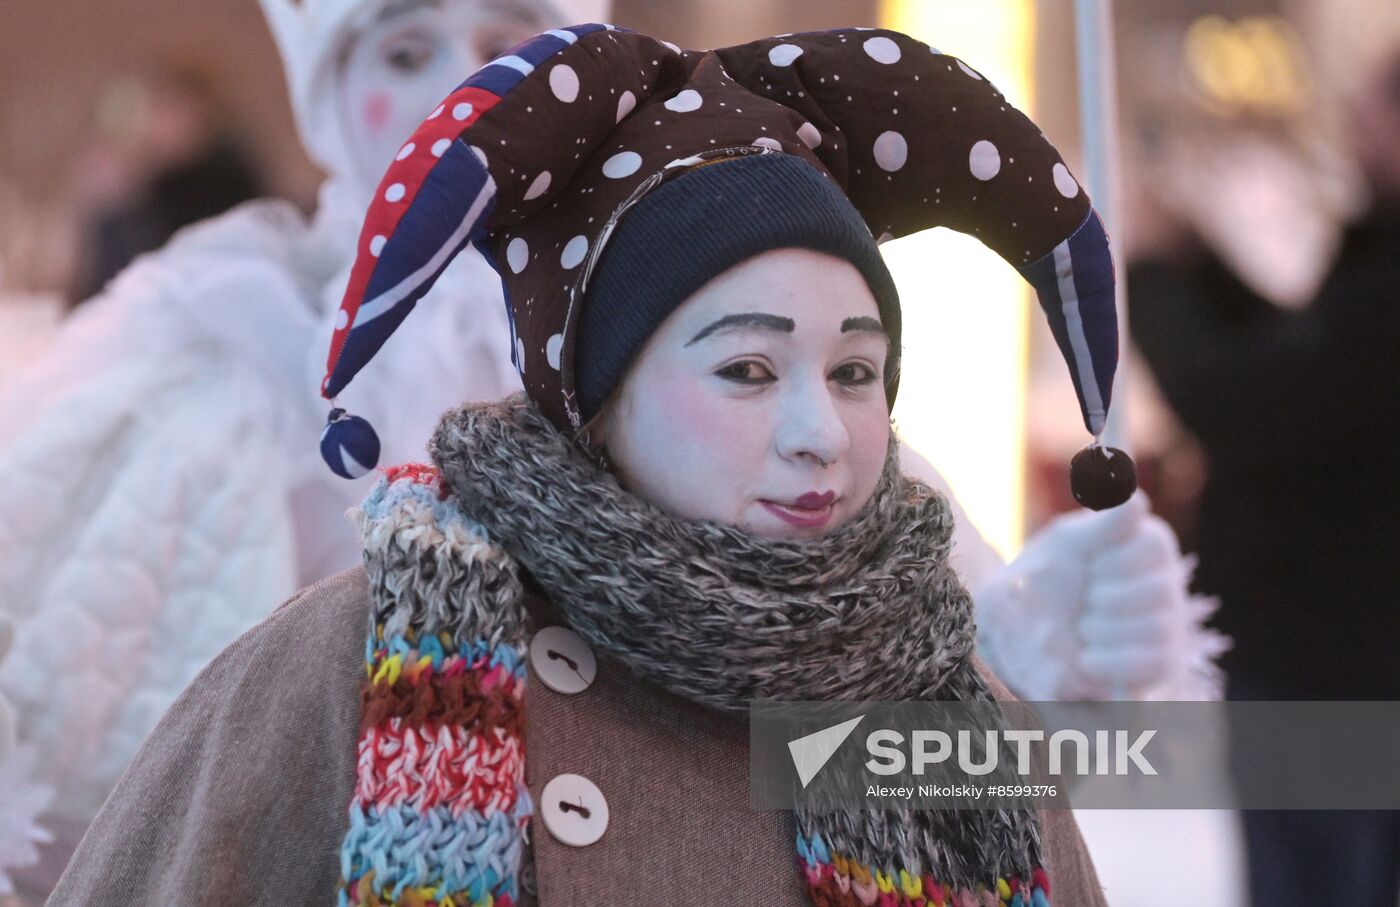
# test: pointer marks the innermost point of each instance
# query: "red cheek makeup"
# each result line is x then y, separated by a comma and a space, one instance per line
377, 110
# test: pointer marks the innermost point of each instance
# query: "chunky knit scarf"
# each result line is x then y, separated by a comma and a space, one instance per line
869, 611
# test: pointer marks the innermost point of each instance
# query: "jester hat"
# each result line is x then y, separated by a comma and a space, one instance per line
537, 157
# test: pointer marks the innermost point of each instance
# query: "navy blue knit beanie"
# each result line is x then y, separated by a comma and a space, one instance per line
690, 229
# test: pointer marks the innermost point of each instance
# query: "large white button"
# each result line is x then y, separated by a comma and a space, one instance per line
562, 660
574, 810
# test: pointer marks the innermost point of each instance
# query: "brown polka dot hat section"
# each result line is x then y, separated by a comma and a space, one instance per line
539, 156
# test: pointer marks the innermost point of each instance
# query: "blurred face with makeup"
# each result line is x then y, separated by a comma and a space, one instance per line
759, 402
410, 54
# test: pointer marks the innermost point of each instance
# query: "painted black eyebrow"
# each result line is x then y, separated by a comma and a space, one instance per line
520, 12
863, 323
747, 319
392, 10
867, 324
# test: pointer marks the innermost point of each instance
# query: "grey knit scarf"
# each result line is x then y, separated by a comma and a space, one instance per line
871, 610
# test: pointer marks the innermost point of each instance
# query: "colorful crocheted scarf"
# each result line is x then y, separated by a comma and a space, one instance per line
441, 806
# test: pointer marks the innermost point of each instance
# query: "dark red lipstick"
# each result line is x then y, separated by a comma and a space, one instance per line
813, 501
811, 511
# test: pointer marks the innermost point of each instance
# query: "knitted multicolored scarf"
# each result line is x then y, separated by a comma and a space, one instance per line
441, 803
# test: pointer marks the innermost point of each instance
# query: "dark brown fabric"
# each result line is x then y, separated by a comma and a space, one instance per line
240, 795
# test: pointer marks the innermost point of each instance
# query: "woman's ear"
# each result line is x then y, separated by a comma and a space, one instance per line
592, 436
601, 434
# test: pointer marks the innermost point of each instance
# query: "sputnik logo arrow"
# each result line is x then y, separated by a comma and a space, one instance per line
811, 752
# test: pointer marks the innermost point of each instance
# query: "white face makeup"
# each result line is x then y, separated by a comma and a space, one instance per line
409, 58
735, 402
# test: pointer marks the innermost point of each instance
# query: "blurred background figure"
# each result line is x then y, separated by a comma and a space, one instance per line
163, 157
160, 487
1299, 520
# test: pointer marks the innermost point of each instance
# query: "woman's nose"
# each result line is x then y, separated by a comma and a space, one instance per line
810, 427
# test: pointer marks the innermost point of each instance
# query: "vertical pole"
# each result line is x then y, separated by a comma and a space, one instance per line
1098, 117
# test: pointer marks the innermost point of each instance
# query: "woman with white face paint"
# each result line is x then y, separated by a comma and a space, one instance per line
751, 499
736, 384
758, 404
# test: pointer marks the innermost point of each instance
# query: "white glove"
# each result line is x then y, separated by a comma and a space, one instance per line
1096, 607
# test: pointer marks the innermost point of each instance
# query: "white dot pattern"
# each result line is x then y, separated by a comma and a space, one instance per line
784, 54
622, 164
891, 151
984, 160
517, 254
538, 186
685, 102
882, 50
574, 251
1064, 182
625, 105
563, 81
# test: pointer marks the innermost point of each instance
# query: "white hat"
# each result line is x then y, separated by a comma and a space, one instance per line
310, 33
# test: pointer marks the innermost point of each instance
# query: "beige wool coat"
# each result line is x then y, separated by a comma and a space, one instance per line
240, 795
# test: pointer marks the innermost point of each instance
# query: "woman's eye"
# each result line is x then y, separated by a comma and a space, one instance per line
492, 50
854, 373
746, 372
408, 58
491, 43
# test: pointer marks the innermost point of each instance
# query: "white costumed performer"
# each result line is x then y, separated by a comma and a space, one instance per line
157, 485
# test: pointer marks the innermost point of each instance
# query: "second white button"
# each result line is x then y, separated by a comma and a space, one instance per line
574, 810
562, 660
